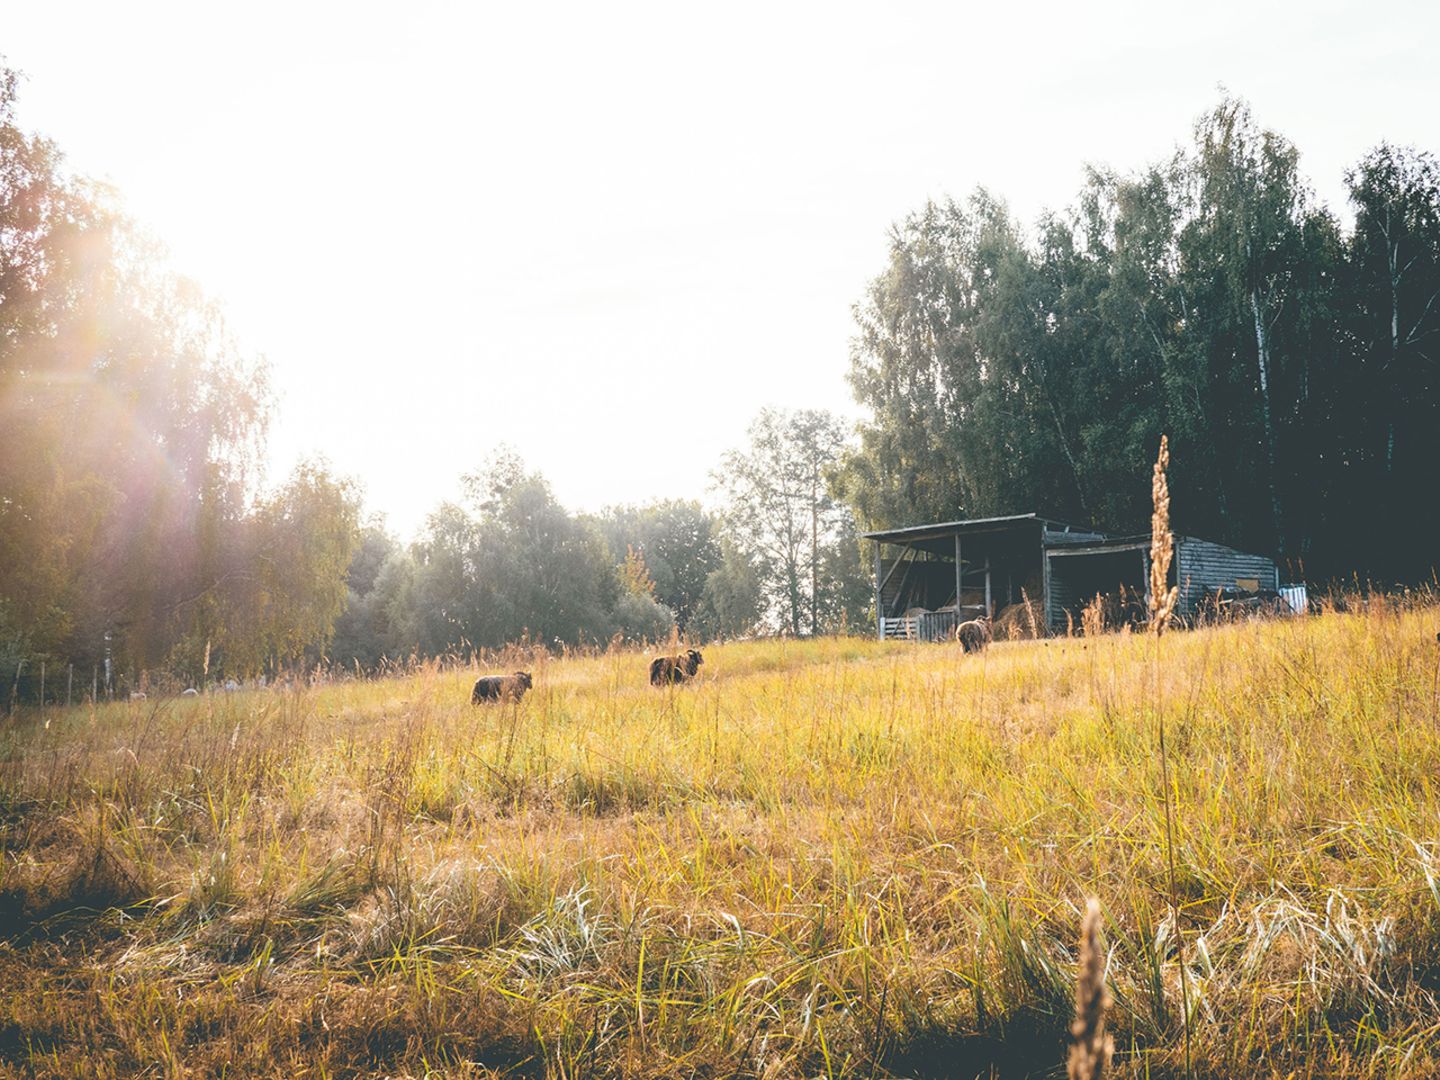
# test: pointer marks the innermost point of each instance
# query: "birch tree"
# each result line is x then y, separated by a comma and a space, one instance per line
779, 510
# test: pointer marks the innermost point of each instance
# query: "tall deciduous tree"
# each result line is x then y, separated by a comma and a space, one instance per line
1210, 297
1394, 277
292, 587
130, 424
732, 603
1244, 248
779, 510
677, 539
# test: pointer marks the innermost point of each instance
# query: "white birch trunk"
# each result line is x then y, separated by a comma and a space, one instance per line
1262, 359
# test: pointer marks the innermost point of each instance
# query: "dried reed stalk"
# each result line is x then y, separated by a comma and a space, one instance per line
1030, 614
1162, 545
1162, 607
1091, 1047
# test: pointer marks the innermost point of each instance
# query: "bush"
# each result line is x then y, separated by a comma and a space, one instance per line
642, 618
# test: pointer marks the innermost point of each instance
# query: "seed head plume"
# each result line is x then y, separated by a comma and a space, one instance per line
1091, 1047
1162, 545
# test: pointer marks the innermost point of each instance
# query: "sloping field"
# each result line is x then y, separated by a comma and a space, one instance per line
832, 857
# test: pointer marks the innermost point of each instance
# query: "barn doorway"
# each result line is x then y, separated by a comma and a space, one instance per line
1119, 575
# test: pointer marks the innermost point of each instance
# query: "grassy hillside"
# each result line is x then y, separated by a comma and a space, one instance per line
841, 857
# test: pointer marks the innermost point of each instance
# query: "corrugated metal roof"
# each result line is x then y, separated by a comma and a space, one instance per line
1100, 546
1106, 540
948, 528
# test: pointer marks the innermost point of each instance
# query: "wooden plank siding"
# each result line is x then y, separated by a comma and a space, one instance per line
1200, 568
1203, 567
1058, 595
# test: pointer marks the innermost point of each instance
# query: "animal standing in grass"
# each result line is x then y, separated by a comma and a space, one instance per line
974, 635
501, 687
675, 669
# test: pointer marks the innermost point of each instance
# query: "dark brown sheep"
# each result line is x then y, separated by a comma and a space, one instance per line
501, 687
675, 669
974, 635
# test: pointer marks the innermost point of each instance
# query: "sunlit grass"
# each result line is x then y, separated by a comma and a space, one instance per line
829, 857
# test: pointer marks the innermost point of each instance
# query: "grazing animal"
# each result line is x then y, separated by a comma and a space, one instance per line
501, 687
974, 635
675, 669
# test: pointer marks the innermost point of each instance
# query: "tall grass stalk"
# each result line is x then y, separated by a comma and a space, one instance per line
1163, 596
1090, 1046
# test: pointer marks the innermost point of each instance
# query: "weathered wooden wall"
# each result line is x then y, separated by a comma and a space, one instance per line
1203, 567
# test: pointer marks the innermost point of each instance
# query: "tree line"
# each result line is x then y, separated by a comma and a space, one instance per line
507, 562
1289, 356
1292, 359
136, 534
132, 532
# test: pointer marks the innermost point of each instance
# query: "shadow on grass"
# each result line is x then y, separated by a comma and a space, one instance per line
1024, 1051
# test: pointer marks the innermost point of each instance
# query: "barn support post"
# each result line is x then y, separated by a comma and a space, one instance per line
879, 603
1045, 587
15, 686
989, 610
959, 575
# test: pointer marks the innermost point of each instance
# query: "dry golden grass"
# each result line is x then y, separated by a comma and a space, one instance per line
833, 857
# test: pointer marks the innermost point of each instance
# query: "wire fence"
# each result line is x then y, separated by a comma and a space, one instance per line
47, 683
44, 683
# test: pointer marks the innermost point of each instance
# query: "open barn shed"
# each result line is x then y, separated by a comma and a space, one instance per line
930, 578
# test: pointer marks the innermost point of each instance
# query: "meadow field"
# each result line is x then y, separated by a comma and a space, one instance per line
835, 857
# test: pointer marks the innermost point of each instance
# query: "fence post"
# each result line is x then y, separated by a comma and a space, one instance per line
69, 683
95, 685
15, 686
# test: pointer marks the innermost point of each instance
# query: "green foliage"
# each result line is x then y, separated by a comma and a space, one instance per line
130, 430
1208, 297
305, 536
846, 595
361, 629
395, 620
1388, 398
780, 512
538, 570
638, 617
731, 604
634, 577
678, 541
511, 564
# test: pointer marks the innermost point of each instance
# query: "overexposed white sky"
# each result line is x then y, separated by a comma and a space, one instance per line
606, 234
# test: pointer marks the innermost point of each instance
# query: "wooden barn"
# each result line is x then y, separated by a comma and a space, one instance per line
929, 578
